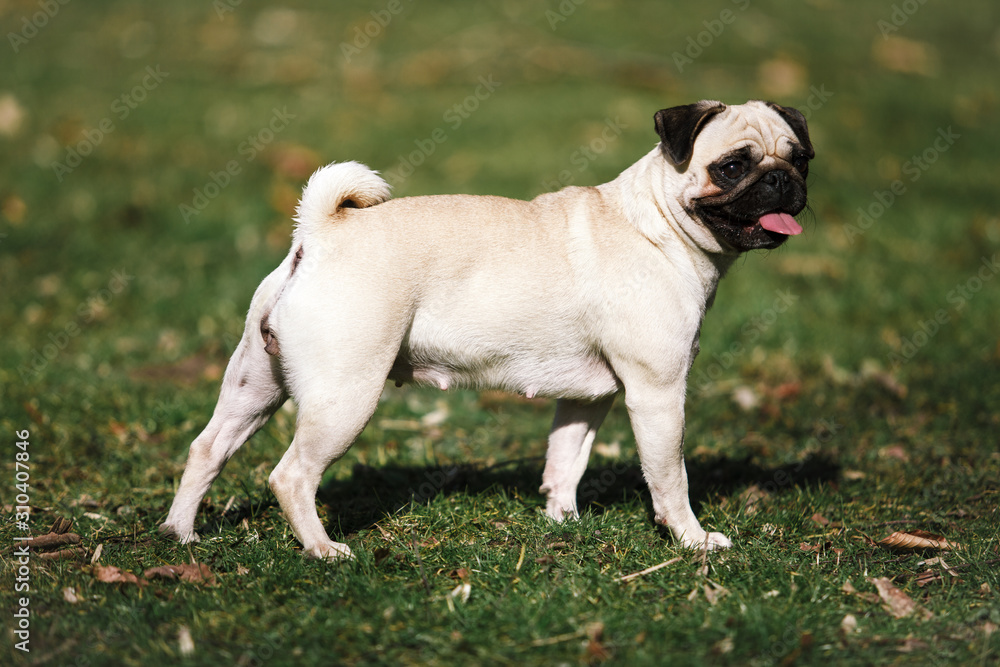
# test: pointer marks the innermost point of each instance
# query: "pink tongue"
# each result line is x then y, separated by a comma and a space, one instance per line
781, 223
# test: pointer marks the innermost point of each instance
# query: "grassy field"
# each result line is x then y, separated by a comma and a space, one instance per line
150, 158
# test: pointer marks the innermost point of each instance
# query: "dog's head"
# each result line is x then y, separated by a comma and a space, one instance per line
743, 169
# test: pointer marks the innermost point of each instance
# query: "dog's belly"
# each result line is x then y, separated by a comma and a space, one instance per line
579, 376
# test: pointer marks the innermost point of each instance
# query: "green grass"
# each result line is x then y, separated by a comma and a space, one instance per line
859, 415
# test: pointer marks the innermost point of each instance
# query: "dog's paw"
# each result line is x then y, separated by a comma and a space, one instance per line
184, 537
561, 511
708, 541
331, 551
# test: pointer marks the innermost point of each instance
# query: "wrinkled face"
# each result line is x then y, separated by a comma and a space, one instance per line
745, 176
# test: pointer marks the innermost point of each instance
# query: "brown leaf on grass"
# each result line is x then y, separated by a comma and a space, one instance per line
61, 525
596, 651
51, 540
820, 519
849, 588
461, 574
917, 540
109, 574
898, 603
196, 573
927, 577
751, 497
64, 554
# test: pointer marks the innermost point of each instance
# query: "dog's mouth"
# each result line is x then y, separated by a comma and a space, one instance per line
780, 222
765, 231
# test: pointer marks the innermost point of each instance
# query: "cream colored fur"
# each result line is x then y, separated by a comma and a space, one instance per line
578, 295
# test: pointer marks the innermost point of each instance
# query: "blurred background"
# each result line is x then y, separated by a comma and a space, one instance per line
151, 155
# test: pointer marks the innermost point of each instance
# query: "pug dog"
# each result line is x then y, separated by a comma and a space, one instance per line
578, 295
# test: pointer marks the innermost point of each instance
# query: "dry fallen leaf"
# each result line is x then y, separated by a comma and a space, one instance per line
50, 540
927, 577
195, 573
820, 519
64, 554
849, 588
917, 540
753, 496
69, 595
109, 574
898, 603
849, 625
596, 651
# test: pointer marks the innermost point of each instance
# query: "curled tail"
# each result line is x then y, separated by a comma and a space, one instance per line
333, 187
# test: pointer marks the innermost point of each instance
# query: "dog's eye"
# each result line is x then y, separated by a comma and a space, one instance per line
801, 163
733, 169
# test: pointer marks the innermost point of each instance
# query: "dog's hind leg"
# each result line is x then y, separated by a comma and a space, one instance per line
324, 431
573, 431
252, 390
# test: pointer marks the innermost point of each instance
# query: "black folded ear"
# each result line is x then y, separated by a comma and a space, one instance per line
679, 126
797, 122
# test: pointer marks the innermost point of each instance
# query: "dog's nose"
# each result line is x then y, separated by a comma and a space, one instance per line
777, 179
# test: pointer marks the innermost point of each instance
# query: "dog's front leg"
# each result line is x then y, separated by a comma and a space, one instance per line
657, 415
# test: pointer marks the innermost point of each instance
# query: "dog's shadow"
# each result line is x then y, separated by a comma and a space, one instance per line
371, 494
